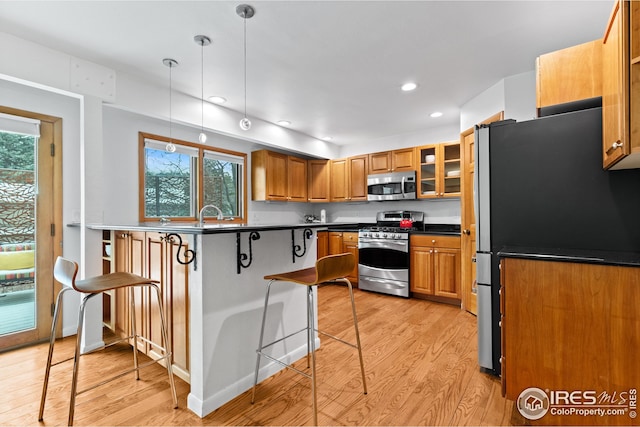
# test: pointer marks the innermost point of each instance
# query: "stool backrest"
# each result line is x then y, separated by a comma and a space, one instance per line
65, 272
333, 267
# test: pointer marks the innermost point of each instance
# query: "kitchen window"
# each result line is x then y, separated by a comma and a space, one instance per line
177, 184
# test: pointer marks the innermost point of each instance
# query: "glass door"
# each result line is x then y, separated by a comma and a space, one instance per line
27, 228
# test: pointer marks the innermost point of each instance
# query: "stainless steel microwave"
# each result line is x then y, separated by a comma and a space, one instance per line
392, 186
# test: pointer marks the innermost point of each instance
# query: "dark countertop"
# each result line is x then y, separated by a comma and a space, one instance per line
211, 228
429, 229
630, 259
436, 233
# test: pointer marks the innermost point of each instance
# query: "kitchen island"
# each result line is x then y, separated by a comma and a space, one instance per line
224, 296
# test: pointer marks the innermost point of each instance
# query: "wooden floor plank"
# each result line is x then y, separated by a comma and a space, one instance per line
420, 363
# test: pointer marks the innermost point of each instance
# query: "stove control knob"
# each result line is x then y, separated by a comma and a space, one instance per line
384, 235
374, 234
398, 236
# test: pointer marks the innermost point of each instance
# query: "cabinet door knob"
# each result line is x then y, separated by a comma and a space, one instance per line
616, 144
433, 241
467, 231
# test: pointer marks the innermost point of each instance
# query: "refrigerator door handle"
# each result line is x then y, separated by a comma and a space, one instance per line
485, 336
483, 268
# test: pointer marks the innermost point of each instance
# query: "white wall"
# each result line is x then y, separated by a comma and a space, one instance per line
35, 63
120, 186
405, 140
515, 95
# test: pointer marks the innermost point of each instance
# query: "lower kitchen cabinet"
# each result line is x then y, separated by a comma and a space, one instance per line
152, 255
322, 243
435, 267
342, 242
572, 328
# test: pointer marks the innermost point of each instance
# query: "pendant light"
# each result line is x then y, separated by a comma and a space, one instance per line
245, 12
202, 41
170, 63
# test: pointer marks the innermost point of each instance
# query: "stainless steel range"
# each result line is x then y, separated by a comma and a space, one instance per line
384, 252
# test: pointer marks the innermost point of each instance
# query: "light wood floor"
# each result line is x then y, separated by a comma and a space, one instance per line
420, 362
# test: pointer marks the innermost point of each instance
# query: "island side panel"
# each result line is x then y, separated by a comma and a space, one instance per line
226, 313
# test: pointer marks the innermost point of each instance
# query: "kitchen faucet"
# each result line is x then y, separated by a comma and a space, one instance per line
220, 215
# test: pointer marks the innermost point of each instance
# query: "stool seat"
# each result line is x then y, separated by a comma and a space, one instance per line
328, 269
65, 272
306, 276
110, 281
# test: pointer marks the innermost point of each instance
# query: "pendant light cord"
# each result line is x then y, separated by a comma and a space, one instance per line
170, 103
245, 63
202, 86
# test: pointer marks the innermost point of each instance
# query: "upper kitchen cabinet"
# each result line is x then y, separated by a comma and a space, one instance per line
278, 177
439, 171
349, 179
392, 161
319, 184
621, 88
570, 74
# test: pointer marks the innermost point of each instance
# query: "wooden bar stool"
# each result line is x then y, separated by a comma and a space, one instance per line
65, 272
328, 269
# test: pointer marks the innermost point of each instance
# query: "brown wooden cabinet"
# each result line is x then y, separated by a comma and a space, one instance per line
150, 255
439, 171
319, 181
435, 266
278, 177
322, 243
569, 74
392, 161
349, 179
615, 86
621, 88
570, 326
350, 244
343, 242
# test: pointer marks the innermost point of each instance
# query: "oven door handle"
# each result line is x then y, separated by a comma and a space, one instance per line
362, 244
402, 187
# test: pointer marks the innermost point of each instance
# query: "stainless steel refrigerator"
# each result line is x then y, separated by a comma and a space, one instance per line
539, 184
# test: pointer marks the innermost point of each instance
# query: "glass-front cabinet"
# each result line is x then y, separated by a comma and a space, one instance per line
439, 171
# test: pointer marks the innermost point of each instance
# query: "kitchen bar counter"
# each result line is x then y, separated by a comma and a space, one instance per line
224, 290
213, 228
631, 259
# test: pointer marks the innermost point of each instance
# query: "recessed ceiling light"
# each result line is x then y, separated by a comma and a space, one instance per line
327, 138
284, 122
436, 114
409, 86
217, 99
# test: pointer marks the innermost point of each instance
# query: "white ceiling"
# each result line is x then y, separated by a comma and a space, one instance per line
332, 68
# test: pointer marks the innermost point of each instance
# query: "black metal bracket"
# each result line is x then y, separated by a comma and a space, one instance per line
295, 249
242, 257
187, 252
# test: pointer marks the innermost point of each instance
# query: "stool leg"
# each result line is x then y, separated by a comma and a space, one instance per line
259, 351
167, 352
355, 325
309, 327
311, 340
52, 340
76, 358
132, 322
